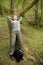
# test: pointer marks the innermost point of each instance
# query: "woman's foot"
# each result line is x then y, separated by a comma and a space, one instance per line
11, 57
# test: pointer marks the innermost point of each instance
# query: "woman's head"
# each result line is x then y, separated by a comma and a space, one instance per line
14, 17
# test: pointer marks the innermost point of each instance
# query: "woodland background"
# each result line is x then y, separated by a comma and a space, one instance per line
31, 27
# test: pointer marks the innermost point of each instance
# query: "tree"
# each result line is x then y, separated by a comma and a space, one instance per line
12, 7
28, 7
42, 12
36, 14
1, 10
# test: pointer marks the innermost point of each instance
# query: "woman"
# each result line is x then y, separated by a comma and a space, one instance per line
15, 33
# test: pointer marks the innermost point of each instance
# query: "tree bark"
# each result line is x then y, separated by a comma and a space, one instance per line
36, 14
1, 10
12, 7
28, 7
42, 12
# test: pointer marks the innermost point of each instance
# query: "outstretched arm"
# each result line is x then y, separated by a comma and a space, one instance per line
20, 19
10, 18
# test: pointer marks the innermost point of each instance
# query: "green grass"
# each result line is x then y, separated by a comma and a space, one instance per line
33, 35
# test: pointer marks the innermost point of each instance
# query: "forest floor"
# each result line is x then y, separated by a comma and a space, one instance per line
32, 44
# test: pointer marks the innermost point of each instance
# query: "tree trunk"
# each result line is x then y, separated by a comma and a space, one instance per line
42, 12
1, 10
36, 14
12, 7
28, 7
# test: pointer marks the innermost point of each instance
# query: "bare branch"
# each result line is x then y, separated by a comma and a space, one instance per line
28, 7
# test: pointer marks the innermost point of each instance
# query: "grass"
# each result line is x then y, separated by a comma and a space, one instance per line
33, 35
